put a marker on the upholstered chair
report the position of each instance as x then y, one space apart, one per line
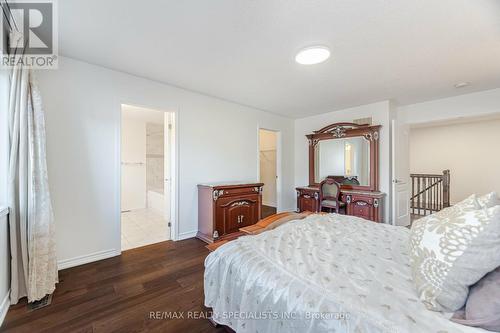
329 196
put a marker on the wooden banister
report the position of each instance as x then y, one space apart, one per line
430 192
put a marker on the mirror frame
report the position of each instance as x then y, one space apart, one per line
348 130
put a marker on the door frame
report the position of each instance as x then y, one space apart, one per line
168 166
279 173
174 195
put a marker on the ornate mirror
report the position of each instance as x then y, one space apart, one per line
346 152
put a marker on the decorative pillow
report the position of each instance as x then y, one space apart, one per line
417 227
483 305
470 203
489 200
451 251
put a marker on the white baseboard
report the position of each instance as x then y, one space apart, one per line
186 235
294 209
270 204
4 307
85 259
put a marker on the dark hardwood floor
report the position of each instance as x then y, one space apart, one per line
268 211
121 293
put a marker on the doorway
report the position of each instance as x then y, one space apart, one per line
268 170
146 175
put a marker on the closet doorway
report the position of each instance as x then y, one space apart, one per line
146 176
268 170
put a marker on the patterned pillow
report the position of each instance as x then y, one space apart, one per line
489 200
418 226
470 203
451 251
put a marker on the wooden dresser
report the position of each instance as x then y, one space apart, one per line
223 208
365 204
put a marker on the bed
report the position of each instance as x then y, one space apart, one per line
325 273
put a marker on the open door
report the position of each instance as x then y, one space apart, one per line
400 174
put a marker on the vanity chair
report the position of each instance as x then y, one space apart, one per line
329 196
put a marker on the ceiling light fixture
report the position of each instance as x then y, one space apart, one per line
462 85
312 55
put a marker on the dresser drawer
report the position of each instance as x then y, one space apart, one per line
362 198
362 209
234 213
363 205
307 200
223 193
307 203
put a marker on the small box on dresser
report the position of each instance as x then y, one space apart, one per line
223 208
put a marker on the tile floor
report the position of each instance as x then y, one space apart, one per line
143 227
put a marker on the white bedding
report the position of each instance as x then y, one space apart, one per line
330 273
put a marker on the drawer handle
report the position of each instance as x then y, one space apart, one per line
307 196
361 203
240 218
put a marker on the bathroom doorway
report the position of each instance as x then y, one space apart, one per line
146 176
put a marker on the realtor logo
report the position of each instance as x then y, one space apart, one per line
30 28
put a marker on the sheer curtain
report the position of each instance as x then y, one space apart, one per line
31 219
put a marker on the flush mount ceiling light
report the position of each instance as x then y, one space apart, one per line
462 84
312 55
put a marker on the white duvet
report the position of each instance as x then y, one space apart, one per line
330 273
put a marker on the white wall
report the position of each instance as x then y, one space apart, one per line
468 150
379 112
133 159
155 156
218 141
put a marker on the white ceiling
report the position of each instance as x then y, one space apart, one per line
243 50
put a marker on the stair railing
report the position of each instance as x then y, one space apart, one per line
430 192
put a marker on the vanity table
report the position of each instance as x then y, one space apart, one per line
348 153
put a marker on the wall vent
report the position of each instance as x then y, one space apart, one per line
363 121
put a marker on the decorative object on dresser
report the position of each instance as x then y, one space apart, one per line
348 153
223 208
